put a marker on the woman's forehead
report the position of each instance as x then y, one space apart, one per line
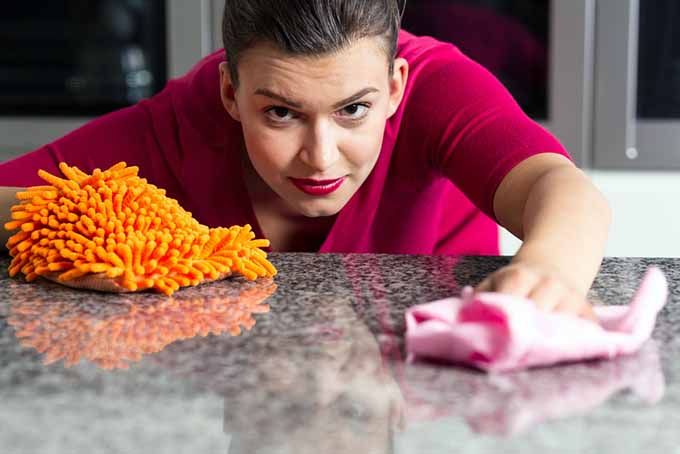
362 61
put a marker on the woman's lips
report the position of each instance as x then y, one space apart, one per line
317 187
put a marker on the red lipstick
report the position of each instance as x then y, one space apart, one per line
317 187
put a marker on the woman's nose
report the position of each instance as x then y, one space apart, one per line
320 150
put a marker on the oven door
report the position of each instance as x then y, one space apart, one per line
638 85
541 50
69 61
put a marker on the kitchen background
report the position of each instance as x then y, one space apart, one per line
603 75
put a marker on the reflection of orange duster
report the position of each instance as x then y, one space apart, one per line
115 225
112 334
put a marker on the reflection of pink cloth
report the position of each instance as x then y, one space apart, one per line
510 404
497 332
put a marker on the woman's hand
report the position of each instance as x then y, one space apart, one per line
563 221
541 284
99 282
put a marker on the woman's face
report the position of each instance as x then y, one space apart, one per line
313 126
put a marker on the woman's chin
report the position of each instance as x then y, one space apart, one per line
317 209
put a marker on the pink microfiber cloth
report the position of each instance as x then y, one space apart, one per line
499 332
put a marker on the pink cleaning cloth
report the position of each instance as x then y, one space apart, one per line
497 332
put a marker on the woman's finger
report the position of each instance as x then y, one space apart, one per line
577 307
547 294
486 285
588 312
99 282
569 306
514 281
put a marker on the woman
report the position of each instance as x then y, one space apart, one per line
328 129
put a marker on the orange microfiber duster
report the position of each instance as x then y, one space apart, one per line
116 227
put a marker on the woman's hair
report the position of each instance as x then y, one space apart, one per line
308 27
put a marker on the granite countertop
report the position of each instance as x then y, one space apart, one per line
313 362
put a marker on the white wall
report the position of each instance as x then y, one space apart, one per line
646 214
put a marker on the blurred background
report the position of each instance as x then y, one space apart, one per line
602 75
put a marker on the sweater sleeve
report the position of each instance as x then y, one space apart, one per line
474 131
131 134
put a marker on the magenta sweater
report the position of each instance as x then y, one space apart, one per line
457 133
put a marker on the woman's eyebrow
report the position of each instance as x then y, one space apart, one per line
297 105
354 97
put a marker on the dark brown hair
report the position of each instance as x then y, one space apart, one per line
308 27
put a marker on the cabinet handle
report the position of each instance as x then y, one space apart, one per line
616 75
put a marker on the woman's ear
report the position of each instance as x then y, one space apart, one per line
398 81
228 92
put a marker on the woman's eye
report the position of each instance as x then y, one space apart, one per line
355 111
280 114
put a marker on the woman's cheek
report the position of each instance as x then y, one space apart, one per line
262 138
274 151
366 146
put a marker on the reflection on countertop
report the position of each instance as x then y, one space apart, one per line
509 404
112 333
323 370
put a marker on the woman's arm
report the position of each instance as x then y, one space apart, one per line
7 200
563 220
518 174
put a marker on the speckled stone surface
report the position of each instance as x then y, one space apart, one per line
318 367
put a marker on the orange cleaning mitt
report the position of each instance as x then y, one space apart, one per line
115 227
